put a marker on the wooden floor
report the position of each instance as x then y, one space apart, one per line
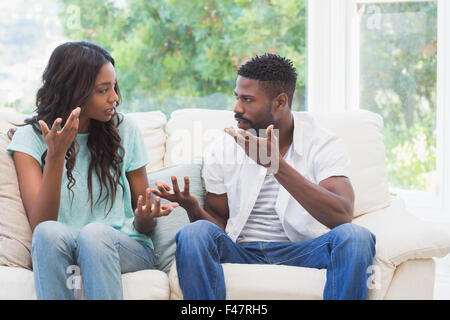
442 285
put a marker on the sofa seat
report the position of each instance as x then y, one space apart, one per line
18 284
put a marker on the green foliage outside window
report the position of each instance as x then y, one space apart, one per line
398 81
175 54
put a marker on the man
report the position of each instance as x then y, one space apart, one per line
292 207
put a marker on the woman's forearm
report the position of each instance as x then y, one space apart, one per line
46 204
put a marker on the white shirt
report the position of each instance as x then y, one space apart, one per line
317 154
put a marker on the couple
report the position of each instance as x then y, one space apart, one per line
81 169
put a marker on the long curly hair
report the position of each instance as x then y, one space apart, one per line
68 83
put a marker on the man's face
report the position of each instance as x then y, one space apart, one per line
253 107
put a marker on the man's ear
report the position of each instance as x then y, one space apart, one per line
282 101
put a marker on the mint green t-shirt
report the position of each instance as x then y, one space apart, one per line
77 213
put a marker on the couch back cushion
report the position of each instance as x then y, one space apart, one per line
361 130
8 117
190 132
15 231
163 236
152 127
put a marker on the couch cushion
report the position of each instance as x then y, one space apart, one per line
360 130
145 285
401 237
190 132
18 283
152 127
163 236
8 118
414 238
15 231
264 282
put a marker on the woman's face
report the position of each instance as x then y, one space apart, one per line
101 106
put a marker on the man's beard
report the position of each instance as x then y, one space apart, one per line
259 127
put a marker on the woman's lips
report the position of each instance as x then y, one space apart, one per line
111 111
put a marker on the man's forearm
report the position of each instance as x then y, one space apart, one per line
325 206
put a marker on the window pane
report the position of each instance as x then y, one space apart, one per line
172 54
398 52
29 31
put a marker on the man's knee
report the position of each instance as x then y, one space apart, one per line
356 237
197 232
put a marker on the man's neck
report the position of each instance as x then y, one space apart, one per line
286 132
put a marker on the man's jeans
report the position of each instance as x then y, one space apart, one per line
345 251
100 252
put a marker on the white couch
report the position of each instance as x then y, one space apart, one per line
403 265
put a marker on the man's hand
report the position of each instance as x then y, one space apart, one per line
184 198
264 151
146 212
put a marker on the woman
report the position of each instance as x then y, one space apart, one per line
82 177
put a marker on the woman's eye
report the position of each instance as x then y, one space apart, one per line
103 91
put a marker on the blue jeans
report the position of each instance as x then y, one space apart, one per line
100 252
345 251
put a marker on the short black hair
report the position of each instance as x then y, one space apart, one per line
275 74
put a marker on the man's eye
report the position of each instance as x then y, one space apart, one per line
243 99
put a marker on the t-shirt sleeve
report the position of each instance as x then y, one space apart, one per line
26 140
136 153
213 172
332 159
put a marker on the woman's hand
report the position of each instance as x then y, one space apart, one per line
59 142
146 212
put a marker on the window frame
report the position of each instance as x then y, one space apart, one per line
333 85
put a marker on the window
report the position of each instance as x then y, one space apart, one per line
398 76
28 34
389 57
169 54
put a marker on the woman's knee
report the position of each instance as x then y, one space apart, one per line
51 232
95 234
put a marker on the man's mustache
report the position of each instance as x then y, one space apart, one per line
238 116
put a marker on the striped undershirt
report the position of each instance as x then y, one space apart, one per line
263 224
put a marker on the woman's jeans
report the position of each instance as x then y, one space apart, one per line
100 252
346 252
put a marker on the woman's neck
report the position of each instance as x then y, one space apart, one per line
84 124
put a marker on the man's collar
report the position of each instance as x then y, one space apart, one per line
297 139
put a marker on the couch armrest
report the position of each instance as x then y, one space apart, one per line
401 236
